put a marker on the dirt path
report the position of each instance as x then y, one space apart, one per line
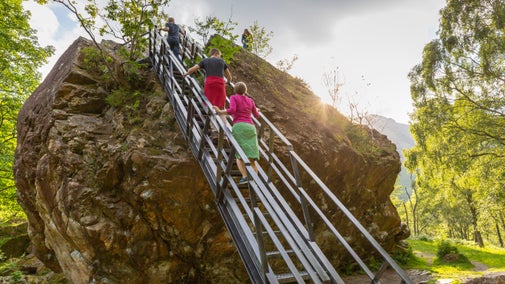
419 276
390 276
479 266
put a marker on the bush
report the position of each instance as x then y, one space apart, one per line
93 61
424 238
404 255
445 248
124 98
17 276
374 264
2 256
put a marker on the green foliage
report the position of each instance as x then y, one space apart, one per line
348 269
492 257
205 28
260 44
21 57
9 107
218 34
461 262
21 53
17 276
226 47
125 21
424 238
129 101
124 98
444 248
403 256
458 122
374 264
93 61
359 135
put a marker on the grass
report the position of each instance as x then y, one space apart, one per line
426 259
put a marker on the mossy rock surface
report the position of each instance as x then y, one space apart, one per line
13 230
16 246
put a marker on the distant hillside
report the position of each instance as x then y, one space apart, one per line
400 135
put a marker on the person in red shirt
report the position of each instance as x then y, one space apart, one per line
215 71
243 130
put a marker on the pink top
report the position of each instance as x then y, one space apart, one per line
241 108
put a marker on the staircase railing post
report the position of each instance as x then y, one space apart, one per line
219 171
152 36
261 243
271 144
161 62
206 127
303 200
256 261
229 166
191 111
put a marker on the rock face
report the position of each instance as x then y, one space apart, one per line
113 194
358 164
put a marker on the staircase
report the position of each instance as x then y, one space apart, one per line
269 219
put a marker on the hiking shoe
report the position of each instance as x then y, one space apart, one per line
243 181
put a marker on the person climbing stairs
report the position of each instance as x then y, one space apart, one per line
269 218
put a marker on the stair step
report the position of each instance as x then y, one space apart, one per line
265 233
278 253
289 277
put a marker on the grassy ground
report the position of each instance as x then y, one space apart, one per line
482 261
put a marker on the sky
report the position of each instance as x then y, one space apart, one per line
372 44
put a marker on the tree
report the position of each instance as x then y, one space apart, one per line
216 33
121 20
205 28
333 83
260 44
286 64
459 106
21 57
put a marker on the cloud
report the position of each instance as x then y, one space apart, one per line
305 22
55 26
374 43
43 20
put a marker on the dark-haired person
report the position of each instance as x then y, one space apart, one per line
243 130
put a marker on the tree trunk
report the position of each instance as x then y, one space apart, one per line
502 221
477 237
406 211
406 215
499 234
413 206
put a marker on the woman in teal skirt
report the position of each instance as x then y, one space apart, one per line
243 130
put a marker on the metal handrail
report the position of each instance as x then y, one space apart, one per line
238 227
291 179
303 198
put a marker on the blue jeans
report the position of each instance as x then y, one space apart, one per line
174 46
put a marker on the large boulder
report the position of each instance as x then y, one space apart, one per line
113 194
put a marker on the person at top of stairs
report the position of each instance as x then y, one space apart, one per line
215 71
173 35
244 131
